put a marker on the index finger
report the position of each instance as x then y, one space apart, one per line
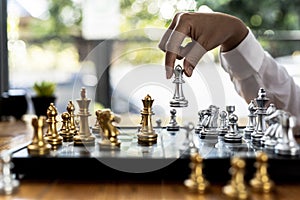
173 47
165 37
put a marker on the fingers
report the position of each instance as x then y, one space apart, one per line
183 51
165 37
171 43
192 58
188 68
173 47
169 64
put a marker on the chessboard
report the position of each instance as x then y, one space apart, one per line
148 152
168 159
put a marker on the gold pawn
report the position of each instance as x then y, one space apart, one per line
72 124
64 130
196 181
236 188
261 181
53 137
38 145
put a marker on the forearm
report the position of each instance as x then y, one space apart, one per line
251 68
281 88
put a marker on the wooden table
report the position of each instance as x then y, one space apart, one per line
14 134
61 189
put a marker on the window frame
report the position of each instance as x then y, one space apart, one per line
4 77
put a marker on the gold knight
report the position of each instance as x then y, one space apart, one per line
109 132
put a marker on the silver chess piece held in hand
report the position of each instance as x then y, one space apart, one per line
178 98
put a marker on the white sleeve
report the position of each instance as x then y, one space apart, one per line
251 68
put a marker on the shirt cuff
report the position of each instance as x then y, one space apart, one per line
244 60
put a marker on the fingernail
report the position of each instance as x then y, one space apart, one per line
169 72
190 71
168 75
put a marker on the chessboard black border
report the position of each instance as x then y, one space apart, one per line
285 169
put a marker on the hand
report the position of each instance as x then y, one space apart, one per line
207 31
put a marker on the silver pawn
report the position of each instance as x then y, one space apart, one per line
173 125
188 143
223 128
230 110
96 128
178 98
158 123
233 135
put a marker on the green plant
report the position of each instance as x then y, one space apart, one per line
44 88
